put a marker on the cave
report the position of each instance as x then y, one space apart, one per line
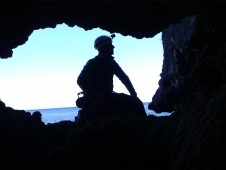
192 87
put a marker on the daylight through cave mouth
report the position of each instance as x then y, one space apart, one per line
42 73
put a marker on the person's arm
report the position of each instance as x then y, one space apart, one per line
124 78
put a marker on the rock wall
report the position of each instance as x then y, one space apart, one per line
193 60
192 87
135 18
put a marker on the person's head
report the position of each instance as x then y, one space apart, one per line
104 45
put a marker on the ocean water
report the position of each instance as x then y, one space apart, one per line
54 115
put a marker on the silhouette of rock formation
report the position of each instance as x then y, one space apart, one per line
192 87
138 19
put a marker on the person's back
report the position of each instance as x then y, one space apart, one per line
97 77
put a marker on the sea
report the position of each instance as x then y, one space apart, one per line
54 115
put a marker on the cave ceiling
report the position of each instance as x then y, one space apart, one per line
135 18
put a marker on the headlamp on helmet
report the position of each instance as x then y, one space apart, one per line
102 40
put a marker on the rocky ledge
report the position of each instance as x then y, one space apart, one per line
192 87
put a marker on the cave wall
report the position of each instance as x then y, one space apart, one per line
193 60
193 88
175 66
192 85
139 19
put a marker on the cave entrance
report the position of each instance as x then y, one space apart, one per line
42 73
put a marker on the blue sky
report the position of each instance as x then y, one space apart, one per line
42 73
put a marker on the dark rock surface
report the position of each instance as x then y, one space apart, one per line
192 86
110 142
194 57
136 18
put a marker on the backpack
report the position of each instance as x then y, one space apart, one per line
83 101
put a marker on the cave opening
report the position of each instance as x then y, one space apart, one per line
42 73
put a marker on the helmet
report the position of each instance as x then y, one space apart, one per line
102 40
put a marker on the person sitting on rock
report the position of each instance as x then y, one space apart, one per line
96 77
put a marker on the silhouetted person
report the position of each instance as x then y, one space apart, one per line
96 78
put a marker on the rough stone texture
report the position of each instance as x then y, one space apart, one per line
138 19
176 65
192 85
193 59
109 142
